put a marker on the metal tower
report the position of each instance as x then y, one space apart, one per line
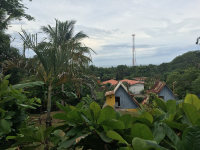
134 52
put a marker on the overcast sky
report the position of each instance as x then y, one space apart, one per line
163 29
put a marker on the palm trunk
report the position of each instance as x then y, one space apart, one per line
48 119
62 101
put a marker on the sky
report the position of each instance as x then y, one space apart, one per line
163 29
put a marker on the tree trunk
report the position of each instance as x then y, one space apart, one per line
48 119
62 101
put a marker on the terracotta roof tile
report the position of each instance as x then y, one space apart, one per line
113 82
131 82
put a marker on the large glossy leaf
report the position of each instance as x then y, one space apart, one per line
61 116
105 138
171 107
175 125
5 126
114 135
74 116
191 138
127 120
79 105
193 100
191 113
144 121
74 131
96 109
141 131
172 136
155 145
161 103
158 133
86 119
107 113
147 116
113 123
140 144
27 132
66 108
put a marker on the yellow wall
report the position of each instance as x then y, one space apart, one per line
110 100
131 110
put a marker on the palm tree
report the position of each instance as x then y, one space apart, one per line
58 60
64 35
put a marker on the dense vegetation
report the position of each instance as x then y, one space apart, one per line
59 77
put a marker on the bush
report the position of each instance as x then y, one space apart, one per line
139 99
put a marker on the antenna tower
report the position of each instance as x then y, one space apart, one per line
134 52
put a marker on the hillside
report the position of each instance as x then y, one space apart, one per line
179 63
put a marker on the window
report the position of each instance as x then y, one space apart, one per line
161 97
117 101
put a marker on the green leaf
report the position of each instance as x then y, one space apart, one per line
158 133
40 133
172 136
61 116
29 84
79 105
191 113
27 132
141 131
155 145
114 135
127 120
7 77
96 109
74 115
191 138
144 121
105 138
118 114
175 125
147 116
10 137
140 144
193 100
171 106
107 113
114 124
74 131
161 103
86 119
66 109
48 131
5 126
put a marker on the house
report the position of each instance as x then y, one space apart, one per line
162 90
135 86
120 98
113 82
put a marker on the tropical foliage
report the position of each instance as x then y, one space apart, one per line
13 103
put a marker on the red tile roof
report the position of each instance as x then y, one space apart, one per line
131 82
113 82
158 86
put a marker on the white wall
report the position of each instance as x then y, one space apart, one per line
136 88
